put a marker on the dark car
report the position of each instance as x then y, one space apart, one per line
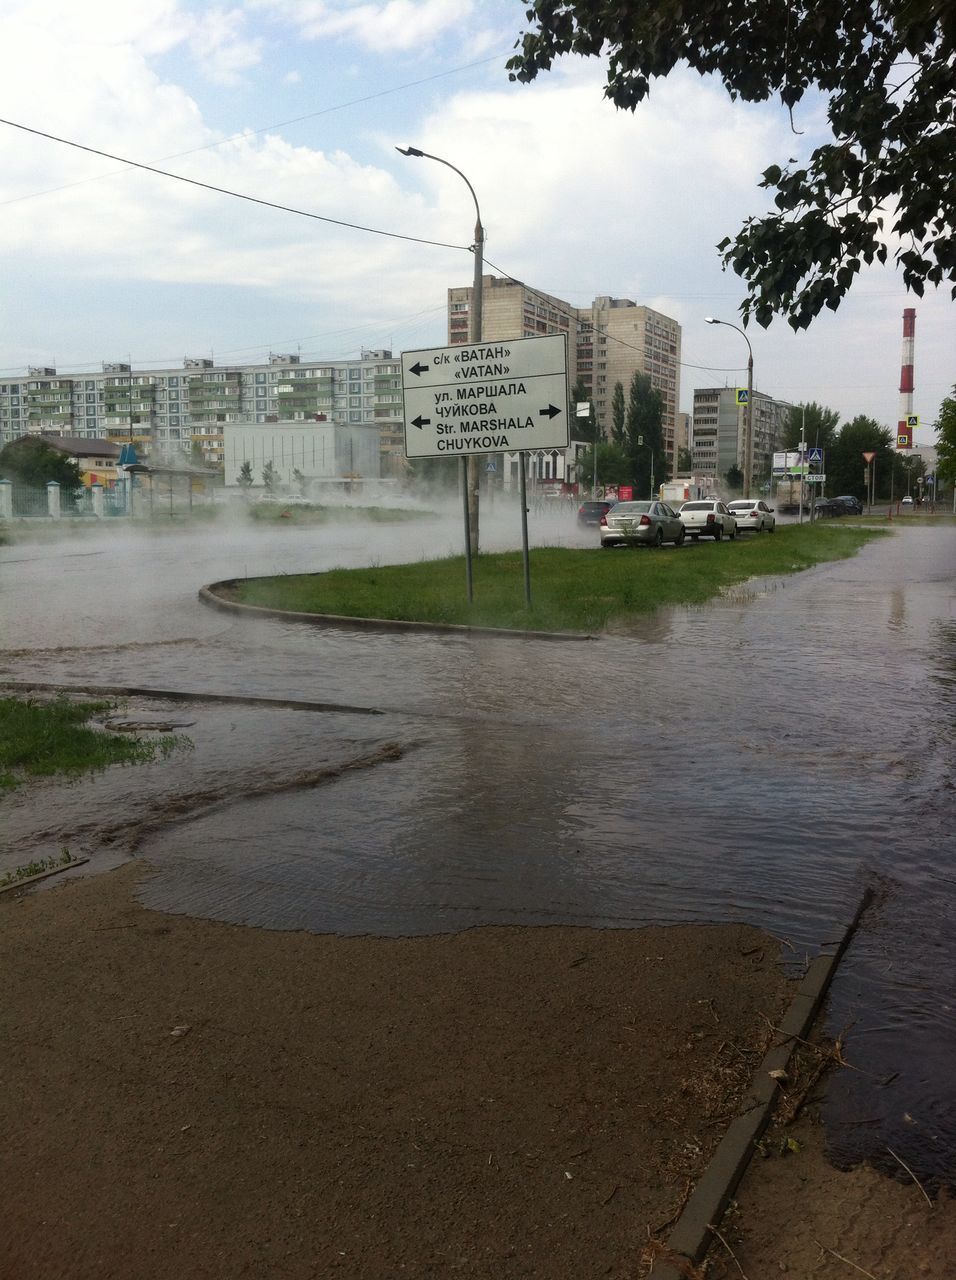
591 512
854 507
828 507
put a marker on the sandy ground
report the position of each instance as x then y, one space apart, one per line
183 1098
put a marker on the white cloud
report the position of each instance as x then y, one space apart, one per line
218 45
395 25
577 199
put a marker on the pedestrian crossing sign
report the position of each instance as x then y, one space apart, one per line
912 420
743 395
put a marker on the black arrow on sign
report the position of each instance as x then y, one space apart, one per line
550 412
420 422
419 369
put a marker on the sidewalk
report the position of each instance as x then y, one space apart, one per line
185 1098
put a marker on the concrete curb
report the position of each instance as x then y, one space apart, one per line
41 875
180 695
692 1235
209 595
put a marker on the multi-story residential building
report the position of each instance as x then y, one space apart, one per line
167 411
719 427
608 342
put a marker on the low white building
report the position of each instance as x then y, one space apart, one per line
318 450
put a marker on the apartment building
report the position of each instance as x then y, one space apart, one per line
166 411
718 432
608 342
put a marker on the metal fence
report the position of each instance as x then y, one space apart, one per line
28 501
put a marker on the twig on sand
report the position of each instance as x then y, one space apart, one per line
842 1259
714 1230
901 1161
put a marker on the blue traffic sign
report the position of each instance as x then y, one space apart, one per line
815 455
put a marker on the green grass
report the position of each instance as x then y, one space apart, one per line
271 512
571 590
46 738
37 868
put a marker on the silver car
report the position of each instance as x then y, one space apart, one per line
752 514
709 518
631 523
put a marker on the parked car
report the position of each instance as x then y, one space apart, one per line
652 523
590 512
828 507
708 518
753 515
853 505
906 504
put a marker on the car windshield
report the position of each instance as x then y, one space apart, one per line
697 506
742 506
632 508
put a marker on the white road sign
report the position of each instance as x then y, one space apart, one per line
486 397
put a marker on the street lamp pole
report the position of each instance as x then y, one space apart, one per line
749 411
469 466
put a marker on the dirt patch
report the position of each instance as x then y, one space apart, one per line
186 1098
796 1215
211 1100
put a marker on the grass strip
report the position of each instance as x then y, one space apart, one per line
45 738
572 590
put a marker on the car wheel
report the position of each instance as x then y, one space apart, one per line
679 540
659 539
771 526
718 533
733 533
694 537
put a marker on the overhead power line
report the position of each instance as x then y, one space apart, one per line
236 195
267 128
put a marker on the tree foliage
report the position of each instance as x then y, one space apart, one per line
887 68
32 461
270 477
244 478
845 463
585 428
946 441
618 413
644 435
811 422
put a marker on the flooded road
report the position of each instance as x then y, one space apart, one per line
760 759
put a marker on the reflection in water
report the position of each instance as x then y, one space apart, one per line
761 760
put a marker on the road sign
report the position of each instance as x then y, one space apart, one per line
912 419
486 397
815 455
868 458
817 478
743 395
491 467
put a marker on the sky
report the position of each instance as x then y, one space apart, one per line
302 103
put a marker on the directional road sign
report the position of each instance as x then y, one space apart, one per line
486 397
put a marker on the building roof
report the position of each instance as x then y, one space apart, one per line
77 446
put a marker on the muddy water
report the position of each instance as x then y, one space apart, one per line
761 759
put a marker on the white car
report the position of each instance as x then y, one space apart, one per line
752 514
906 504
708 518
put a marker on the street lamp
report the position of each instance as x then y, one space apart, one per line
749 415
469 465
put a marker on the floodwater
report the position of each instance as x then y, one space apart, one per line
764 758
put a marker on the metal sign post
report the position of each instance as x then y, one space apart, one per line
487 398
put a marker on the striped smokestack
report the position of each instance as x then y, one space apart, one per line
904 432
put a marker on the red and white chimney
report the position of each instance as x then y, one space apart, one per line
904 429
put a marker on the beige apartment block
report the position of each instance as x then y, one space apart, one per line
608 342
